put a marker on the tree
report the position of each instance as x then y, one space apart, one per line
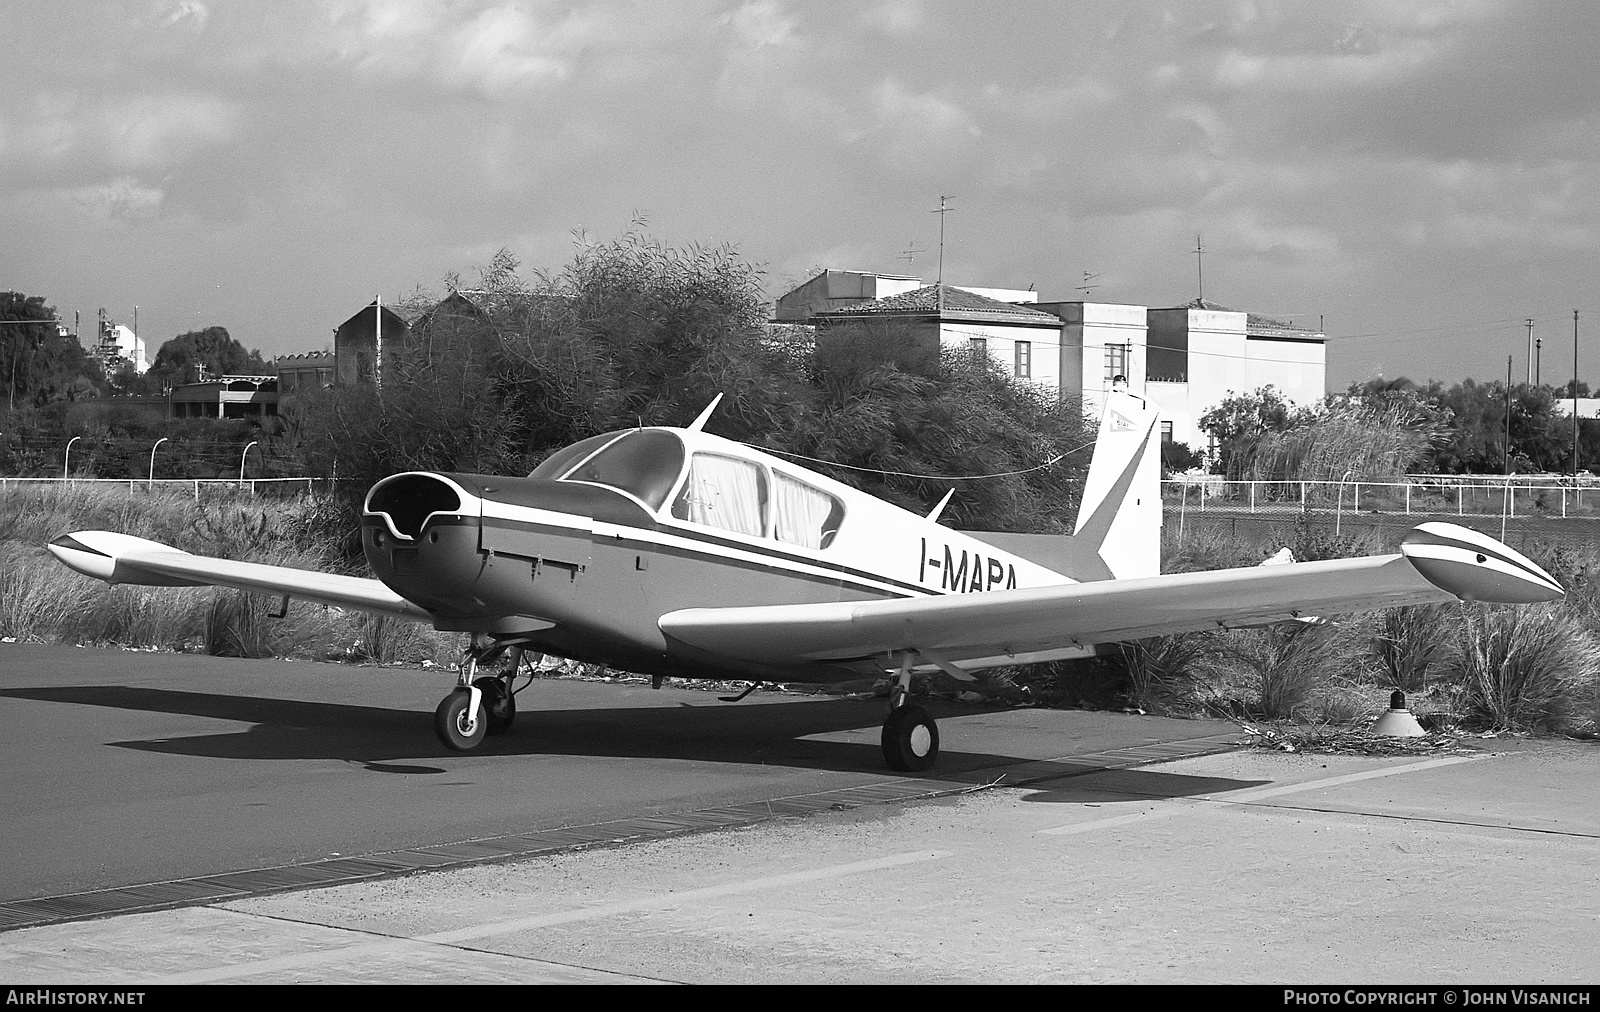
633 332
1176 458
181 359
1240 419
39 363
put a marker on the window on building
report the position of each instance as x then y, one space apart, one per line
1166 432
1116 361
1024 362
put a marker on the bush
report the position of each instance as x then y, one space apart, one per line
1410 643
1165 673
1534 668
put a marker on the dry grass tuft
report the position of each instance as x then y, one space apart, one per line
1533 668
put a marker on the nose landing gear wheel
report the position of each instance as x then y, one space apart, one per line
458 729
498 703
910 738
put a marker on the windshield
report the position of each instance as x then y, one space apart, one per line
560 462
643 462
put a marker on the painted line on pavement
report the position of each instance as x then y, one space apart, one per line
418 945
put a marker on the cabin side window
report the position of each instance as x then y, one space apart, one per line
803 514
724 492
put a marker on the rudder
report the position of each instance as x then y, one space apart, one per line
1121 512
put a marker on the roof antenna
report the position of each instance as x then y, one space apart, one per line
934 516
699 424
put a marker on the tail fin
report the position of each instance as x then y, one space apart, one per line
1120 517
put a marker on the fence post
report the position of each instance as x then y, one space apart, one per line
1563 503
1408 498
1357 507
197 490
1252 497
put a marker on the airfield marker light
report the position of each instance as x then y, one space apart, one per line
1397 721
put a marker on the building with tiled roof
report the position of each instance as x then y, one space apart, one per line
1024 340
311 370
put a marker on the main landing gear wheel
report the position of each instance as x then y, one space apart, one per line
498 703
910 738
457 728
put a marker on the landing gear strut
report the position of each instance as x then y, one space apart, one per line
479 706
910 736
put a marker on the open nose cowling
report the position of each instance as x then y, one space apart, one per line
407 502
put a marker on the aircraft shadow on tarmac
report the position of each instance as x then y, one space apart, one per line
1122 787
376 737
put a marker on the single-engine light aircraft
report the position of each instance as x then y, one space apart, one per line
674 552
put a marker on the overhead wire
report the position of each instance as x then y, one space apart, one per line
930 477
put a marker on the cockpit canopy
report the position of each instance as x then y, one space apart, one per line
720 490
642 462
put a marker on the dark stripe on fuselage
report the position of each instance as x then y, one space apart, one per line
637 536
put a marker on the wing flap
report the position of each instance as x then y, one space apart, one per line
122 558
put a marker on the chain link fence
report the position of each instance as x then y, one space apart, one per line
1524 511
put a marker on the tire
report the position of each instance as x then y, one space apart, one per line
910 739
451 724
498 703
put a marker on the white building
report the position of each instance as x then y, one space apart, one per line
1187 359
118 343
1023 340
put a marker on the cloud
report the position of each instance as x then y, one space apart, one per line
122 198
495 51
140 133
188 14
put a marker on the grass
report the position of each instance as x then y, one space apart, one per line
1533 668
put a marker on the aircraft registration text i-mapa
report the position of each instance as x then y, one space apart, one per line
674 552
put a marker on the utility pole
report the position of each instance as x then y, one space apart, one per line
1530 351
1574 393
1538 357
1508 416
1200 267
941 212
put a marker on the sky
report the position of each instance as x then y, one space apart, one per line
1417 178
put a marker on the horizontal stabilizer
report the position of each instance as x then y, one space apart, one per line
1059 553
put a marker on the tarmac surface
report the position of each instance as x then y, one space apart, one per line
1240 866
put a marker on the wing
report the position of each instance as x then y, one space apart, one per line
1439 562
122 558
